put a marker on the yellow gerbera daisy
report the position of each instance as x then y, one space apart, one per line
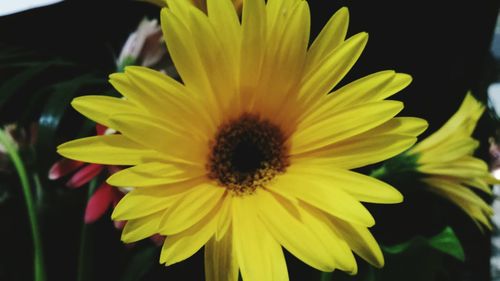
201 4
249 153
449 167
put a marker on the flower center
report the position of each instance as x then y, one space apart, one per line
247 153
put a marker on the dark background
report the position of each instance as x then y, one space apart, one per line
444 45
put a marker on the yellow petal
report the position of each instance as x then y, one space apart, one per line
225 20
157 92
220 259
253 44
361 241
449 151
332 69
287 48
464 198
138 229
189 67
191 208
319 192
449 187
341 125
334 243
330 37
152 133
284 222
180 246
136 204
480 184
465 167
363 188
100 108
371 88
108 150
154 173
259 256
278 12
406 126
462 122
225 218
144 201
380 143
359 151
221 72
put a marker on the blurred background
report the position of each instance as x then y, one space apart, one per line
50 54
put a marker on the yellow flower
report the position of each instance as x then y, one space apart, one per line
449 167
201 4
249 153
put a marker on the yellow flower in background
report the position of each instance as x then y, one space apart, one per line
201 4
251 152
449 167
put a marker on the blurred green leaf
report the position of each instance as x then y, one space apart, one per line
419 259
55 107
10 86
445 242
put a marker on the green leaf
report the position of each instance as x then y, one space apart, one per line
445 242
10 86
54 109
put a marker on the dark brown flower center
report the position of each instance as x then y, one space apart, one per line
247 153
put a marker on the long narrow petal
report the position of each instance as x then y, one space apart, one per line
154 173
225 20
467 200
361 241
63 167
449 151
361 187
189 67
330 37
222 72
100 108
84 175
360 151
465 118
98 203
342 125
144 201
260 257
371 88
136 205
286 47
334 243
253 44
406 126
283 221
465 167
191 208
220 259
319 192
331 69
138 229
108 150
155 135
180 246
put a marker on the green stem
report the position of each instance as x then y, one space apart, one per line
83 261
38 187
32 214
326 276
